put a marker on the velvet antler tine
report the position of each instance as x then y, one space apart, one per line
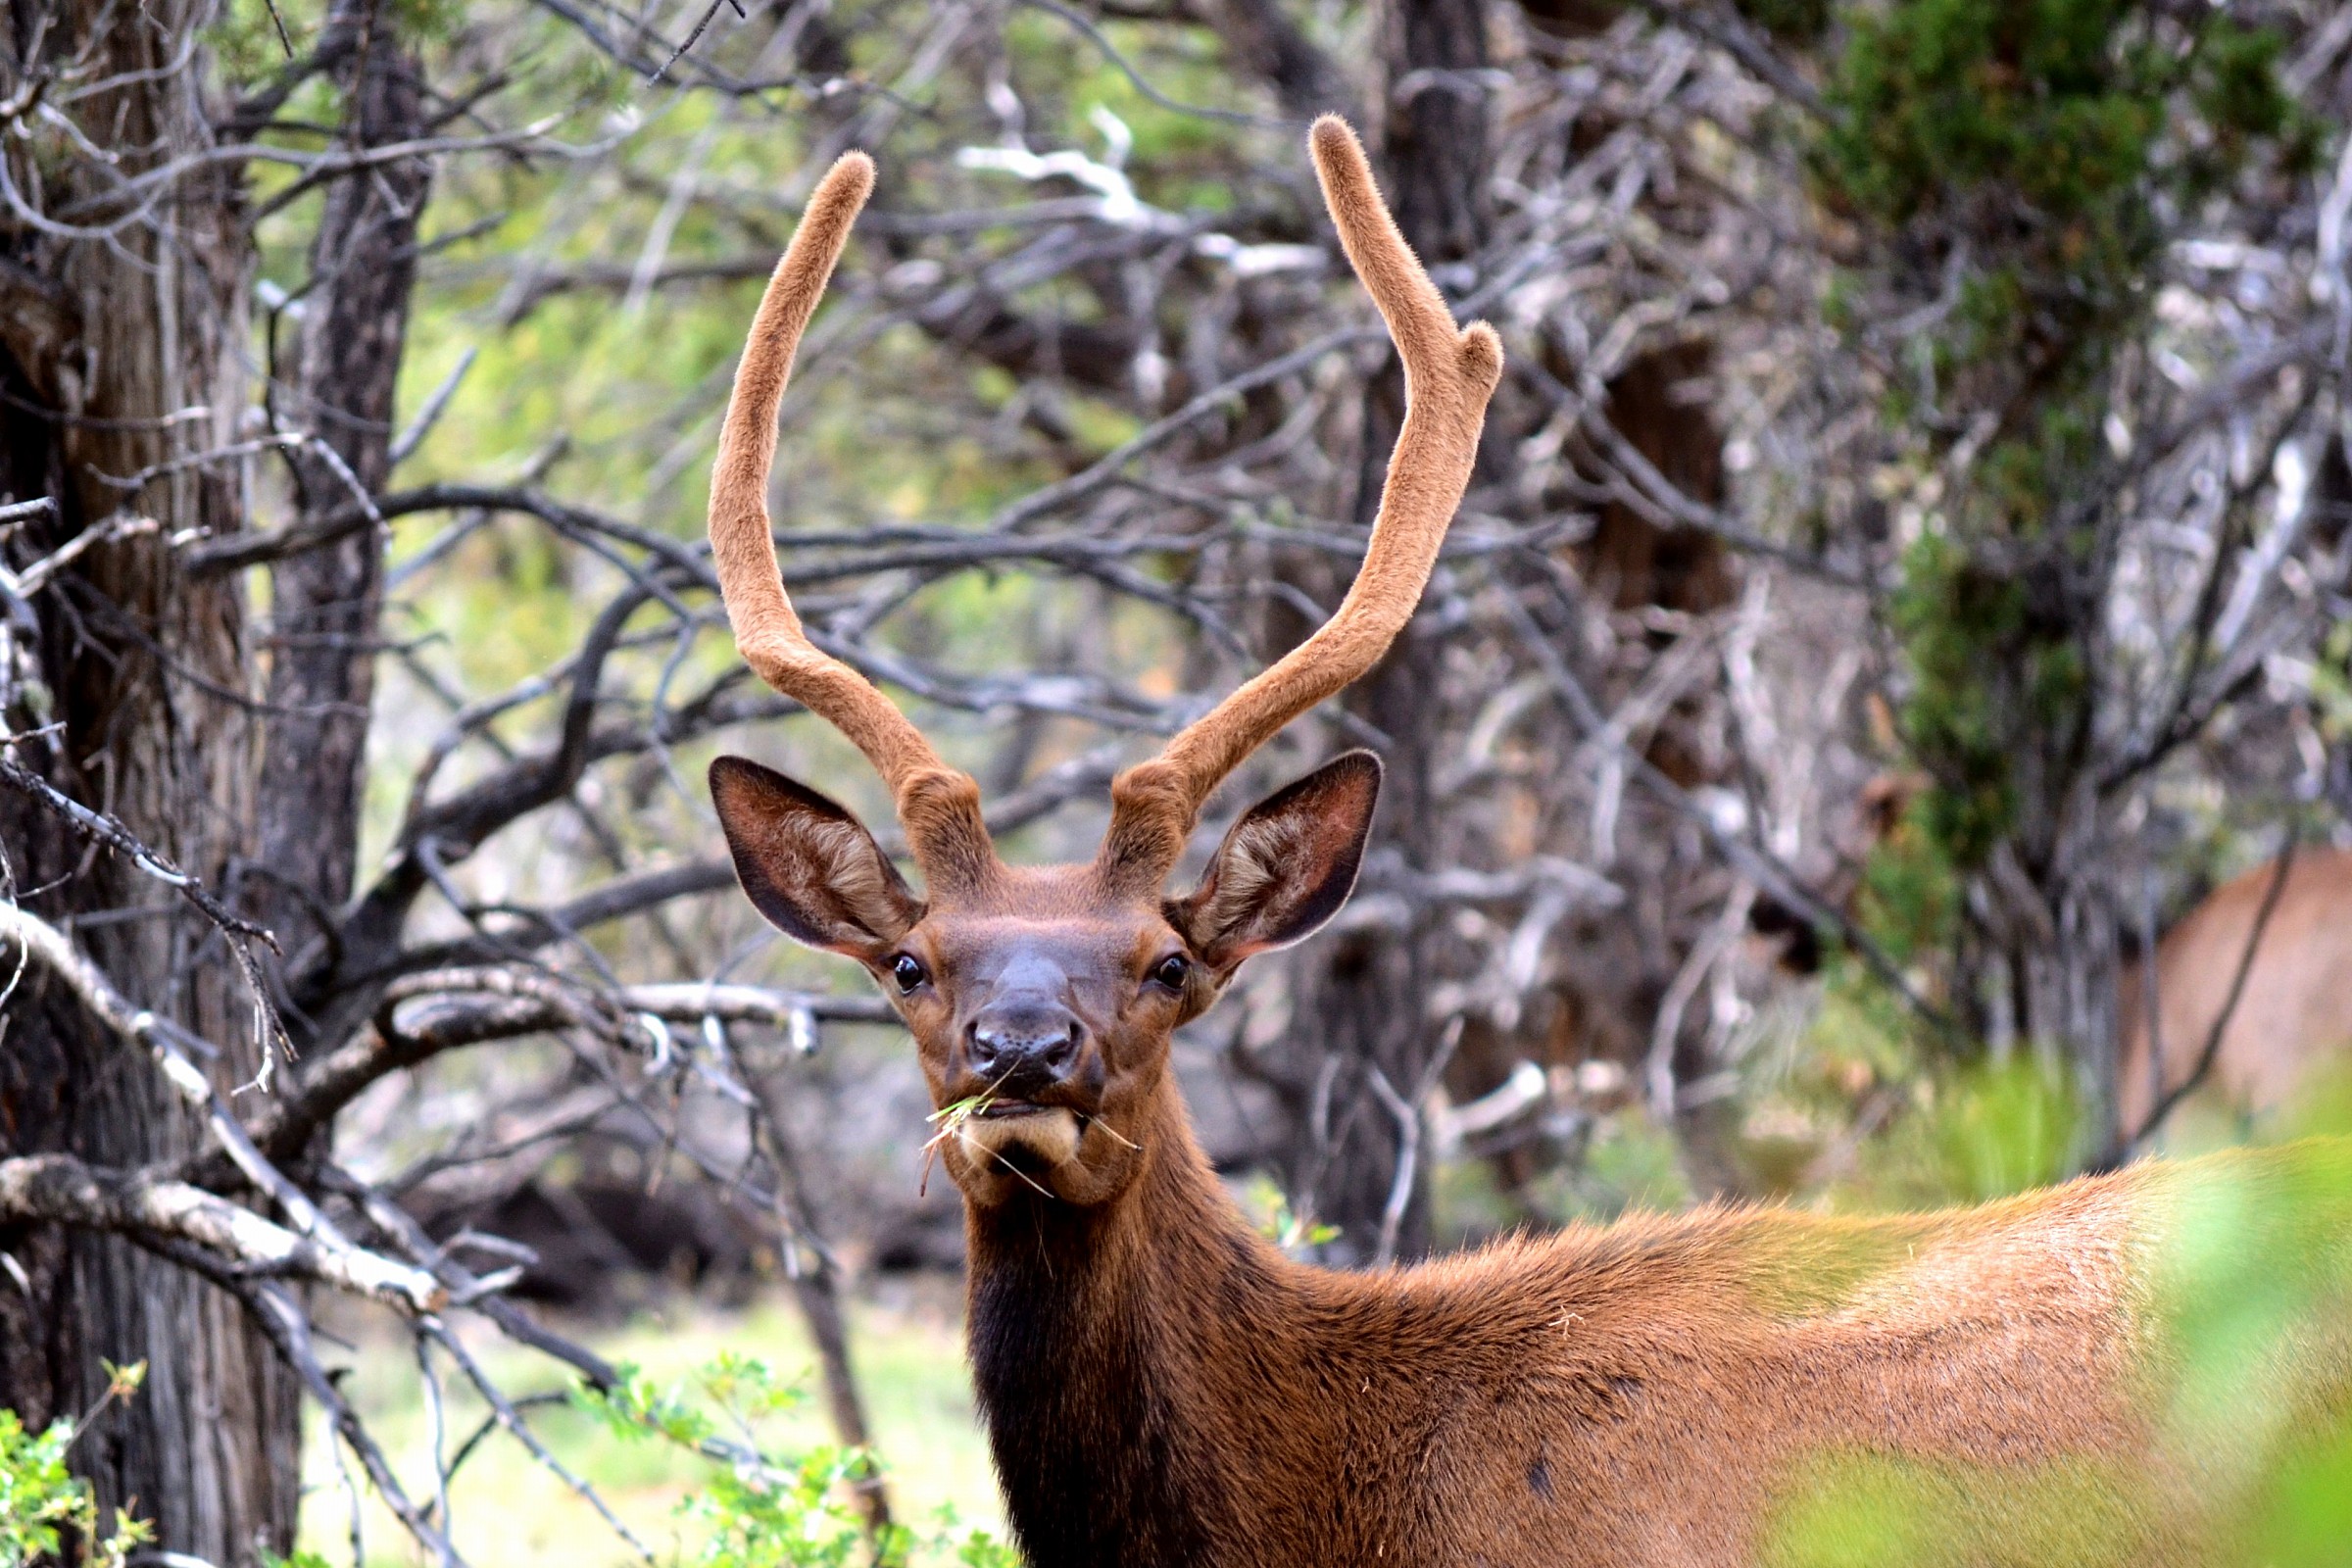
1450 373
767 630
939 807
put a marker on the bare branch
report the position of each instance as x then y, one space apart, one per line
61 1190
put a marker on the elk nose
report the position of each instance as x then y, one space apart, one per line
1024 1045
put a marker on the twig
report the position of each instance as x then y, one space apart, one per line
1110 52
289 1329
164 1040
101 827
1407 1115
33 578
437 1439
409 440
278 23
511 1419
692 37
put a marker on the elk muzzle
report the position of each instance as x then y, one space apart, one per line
1023 1047
1025 1053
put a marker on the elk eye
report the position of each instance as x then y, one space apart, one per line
1172 971
906 972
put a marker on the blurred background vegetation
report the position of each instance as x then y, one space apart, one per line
1881 735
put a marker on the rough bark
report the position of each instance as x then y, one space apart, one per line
134 361
325 602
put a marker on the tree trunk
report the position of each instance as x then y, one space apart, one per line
324 601
128 358
1362 996
2056 926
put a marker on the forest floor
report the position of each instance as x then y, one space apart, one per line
906 1341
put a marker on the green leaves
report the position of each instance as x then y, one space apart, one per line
40 1499
761 1509
37 1495
2059 101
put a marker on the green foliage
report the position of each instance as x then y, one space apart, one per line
1972 644
44 1506
1909 900
759 1509
1975 1133
2302 1517
2002 1129
2332 685
1934 97
2016 164
37 1496
2059 103
1269 1209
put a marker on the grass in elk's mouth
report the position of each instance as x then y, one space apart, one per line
1117 1137
950 1120
945 1122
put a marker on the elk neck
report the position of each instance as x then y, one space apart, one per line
1103 1344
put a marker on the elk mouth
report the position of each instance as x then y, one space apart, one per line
1021 1134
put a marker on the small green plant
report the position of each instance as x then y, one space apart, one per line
42 1502
1970 1133
2332 685
297 1559
761 1509
1270 1210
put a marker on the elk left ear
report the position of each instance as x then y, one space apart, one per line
1286 868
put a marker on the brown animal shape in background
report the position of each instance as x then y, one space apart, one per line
2293 1013
1162 1387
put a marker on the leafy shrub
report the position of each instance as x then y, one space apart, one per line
761 1509
44 1509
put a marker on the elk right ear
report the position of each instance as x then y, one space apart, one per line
1286 866
808 864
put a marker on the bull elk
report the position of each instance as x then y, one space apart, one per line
1162 1387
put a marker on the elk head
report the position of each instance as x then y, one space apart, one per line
1046 996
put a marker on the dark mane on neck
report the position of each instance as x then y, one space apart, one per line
1103 1433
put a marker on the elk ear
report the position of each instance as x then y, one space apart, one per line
1286 868
808 864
